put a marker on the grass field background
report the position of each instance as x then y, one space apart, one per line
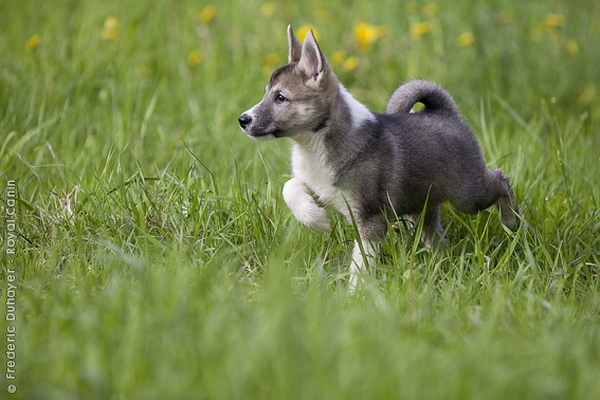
156 258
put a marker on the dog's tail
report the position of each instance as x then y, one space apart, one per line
433 97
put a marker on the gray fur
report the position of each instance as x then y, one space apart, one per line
376 165
416 91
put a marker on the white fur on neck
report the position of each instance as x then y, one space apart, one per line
358 111
309 165
310 159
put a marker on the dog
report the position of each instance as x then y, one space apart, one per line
368 166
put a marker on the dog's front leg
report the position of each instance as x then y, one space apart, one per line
371 230
363 256
304 207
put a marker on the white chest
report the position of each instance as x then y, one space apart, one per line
310 167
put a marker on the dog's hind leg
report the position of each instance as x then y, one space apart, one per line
497 190
493 188
508 210
304 206
433 233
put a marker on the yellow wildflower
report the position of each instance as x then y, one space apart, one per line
550 23
465 39
267 9
208 13
366 34
431 9
304 30
419 29
110 31
338 57
33 42
341 58
572 47
554 21
350 64
194 58
272 60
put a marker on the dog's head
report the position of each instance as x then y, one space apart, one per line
298 97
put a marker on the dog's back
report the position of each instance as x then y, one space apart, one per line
439 157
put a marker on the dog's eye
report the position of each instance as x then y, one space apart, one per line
280 98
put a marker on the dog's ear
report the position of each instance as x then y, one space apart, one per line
312 61
295 48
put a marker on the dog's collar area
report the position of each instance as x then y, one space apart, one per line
322 125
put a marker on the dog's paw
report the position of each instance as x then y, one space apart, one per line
304 207
317 219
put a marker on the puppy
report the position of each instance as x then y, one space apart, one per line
367 166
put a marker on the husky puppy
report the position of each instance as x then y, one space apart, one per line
369 166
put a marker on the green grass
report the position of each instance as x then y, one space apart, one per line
156 258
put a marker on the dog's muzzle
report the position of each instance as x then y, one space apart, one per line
246 123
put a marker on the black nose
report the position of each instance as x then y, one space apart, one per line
244 120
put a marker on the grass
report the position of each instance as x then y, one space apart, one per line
156 258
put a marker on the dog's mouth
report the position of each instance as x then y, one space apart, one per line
264 135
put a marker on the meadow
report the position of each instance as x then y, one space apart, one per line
147 252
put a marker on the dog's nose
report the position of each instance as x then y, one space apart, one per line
244 120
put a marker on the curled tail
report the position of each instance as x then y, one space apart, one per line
433 97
